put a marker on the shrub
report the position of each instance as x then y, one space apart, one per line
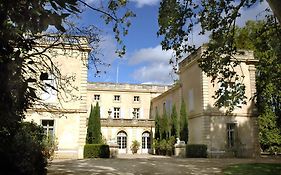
135 146
96 151
24 153
196 150
156 146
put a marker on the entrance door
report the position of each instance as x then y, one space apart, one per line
146 144
122 142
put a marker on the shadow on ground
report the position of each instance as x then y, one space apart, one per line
147 165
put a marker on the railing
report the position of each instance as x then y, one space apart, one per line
127 122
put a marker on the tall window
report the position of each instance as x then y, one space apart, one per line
122 140
50 92
231 127
48 126
116 97
116 112
146 144
96 97
136 112
136 98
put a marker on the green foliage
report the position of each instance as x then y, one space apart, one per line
135 146
96 151
164 126
177 20
174 122
157 126
196 150
94 126
164 146
264 38
183 123
24 153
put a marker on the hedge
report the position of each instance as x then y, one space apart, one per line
196 150
96 151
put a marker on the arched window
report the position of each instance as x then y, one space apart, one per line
146 144
122 140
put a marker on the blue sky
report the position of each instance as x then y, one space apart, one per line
144 61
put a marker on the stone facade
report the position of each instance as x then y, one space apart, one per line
128 110
232 135
125 113
64 113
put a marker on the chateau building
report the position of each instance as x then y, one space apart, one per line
225 135
127 110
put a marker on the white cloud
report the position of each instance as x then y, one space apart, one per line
107 47
141 3
150 55
155 74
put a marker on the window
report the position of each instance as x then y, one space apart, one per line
146 141
190 100
116 97
122 140
136 98
116 112
136 112
231 134
48 126
96 97
50 86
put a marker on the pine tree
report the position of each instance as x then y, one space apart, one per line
183 123
94 126
97 139
174 122
164 125
157 126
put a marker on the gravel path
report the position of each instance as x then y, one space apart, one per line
147 164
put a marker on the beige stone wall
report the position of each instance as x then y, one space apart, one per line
134 128
68 106
208 124
169 98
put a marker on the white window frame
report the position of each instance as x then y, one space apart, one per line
116 112
136 112
96 97
117 98
136 99
231 134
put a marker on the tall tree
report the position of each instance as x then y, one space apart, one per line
23 25
94 126
177 20
263 37
164 125
183 123
174 122
157 125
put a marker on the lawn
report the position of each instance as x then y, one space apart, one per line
254 169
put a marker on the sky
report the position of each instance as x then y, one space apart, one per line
144 62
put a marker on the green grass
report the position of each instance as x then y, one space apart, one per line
254 169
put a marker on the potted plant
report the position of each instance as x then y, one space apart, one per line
135 146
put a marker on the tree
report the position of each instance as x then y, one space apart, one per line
183 123
164 126
94 126
263 37
177 19
23 26
174 122
157 125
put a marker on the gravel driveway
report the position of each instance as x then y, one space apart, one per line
146 164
